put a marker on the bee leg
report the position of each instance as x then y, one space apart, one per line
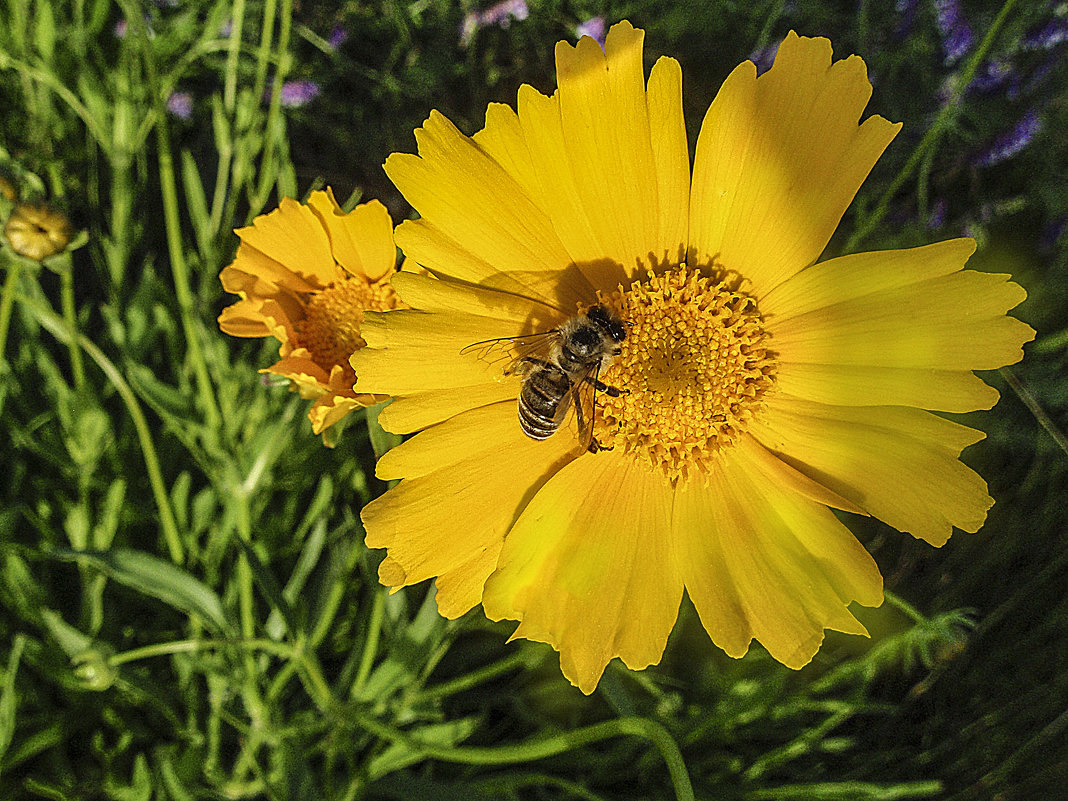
601 386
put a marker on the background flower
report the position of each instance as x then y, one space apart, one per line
306 273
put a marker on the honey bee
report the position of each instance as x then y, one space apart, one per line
560 369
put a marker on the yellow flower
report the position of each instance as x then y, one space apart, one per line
757 388
37 231
306 274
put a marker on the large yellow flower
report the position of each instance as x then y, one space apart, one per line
305 275
757 388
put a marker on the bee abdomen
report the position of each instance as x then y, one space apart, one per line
540 399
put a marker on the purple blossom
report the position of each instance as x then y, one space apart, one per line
338 36
764 57
937 217
957 36
994 74
501 14
594 27
1011 142
180 104
226 29
299 93
1052 234
906 11
1055 32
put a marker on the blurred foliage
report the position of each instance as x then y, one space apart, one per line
187 607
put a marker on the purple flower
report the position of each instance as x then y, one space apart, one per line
1054 33
338 36
500 14
226 29
764 57
299 93
1011 142
122 27
906 10
937 217
180 104
594 27
1052 234
994 74
957 36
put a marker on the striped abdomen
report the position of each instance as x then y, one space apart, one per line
541 399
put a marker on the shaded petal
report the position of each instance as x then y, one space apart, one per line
257 274
762 562
362 240
587 567
441 520
780 158
292 235
898 464
411 351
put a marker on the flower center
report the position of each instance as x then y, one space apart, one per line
330 330
692 371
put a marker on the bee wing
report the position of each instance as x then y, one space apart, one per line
583 397
512 353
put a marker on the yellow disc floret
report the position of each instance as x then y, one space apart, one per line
692 371
330 329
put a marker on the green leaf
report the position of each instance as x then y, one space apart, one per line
9 695
157 578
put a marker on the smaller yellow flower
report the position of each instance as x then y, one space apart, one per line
306 273
37 231
8 190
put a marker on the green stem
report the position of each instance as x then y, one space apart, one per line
1033 406
172 223
942 122
544 747
370 644
66 293
7 302
180 273
904 606
59 329
468 680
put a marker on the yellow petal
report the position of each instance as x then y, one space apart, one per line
436 295
329 409
502 138
780 158
469 202
671 156
411 413
761 562
257 274
362 240
436 522
896 463
860 275
410 352
952 322
852 385
292 235
587 568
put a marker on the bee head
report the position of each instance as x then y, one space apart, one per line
607 322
